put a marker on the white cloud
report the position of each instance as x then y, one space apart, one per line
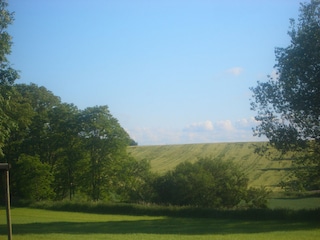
235 71
200 126
225 125
246 122
199 132
154 136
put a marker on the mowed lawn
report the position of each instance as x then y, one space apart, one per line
33 224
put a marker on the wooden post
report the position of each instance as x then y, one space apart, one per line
5 167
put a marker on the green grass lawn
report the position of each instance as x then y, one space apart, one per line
44 224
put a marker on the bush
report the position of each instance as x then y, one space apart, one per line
257 197
207 183
33 178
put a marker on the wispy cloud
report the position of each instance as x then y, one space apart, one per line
199 126
199 132
154 136
225 125
235 71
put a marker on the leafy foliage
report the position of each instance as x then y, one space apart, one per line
33 178
288 105
105 141
205 183
84 151
7 75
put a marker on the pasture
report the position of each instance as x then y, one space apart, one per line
262 170
34 224
266 170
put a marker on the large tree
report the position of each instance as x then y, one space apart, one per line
39 139
288 105
7 74
105 142
67 148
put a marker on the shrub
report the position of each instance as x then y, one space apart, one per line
33 178
257 197
207 183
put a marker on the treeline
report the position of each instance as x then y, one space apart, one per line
57 151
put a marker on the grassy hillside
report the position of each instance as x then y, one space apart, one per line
261 170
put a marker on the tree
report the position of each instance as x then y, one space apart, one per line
83 151
206 183
68 151
7 74
42 103
33 178
133 143
21 114
288 105
105 142
133 180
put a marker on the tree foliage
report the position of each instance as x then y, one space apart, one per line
33 178
84 151
105 141
7 75
288 109
206 183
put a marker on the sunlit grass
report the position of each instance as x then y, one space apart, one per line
266 170
261 170
44 224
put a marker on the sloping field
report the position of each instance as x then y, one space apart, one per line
261 170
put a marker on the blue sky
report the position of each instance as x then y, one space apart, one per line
171 72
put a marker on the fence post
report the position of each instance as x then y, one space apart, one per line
5 167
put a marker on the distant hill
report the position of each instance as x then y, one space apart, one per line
261 170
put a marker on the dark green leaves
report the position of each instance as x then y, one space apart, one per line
288 107
7 75
206 183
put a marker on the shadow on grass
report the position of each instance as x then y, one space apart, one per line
162 226
185 212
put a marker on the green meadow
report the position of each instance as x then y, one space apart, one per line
262 170
33 224
266 170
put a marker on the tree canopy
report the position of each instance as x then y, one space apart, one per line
208 182
7 74
288 104
76 151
